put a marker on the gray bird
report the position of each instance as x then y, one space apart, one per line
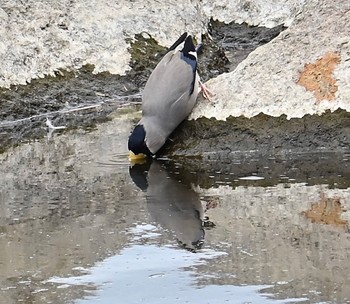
173 205
168 98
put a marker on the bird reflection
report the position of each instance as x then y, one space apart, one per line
171 204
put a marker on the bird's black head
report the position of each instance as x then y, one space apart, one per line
136 142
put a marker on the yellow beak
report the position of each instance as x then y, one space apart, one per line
137 158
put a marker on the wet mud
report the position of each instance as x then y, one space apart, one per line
265 134
77 99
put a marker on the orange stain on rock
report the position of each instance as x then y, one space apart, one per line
318 77
327 211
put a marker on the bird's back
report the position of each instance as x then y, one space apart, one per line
170 92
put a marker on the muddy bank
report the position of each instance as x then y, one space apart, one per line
262 133
310 148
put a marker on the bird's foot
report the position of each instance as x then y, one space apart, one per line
205 91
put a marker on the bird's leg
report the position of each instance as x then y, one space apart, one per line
206 93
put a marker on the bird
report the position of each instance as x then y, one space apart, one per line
168 98
171 204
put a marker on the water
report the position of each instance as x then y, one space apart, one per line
78 225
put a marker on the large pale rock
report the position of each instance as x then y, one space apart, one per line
257 12
40 37
305 70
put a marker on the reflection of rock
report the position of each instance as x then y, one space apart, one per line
171 204
227 167
265 227
327 211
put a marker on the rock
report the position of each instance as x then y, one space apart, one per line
305 70
39 37
257 12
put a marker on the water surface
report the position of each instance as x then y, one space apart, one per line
79 225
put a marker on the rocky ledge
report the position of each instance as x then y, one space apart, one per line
290 94
305 70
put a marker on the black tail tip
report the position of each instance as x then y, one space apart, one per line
189 46
178 42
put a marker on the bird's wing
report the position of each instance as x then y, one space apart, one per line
156 135
169 93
